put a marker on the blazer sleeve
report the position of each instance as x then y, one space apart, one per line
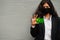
34 31
58 30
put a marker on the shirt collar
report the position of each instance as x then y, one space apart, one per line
49 18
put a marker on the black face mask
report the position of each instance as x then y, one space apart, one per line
46 10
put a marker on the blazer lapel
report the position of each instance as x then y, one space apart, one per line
53 30
43 27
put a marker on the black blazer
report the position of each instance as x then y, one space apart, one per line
39 31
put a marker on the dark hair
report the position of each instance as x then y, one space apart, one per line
38 11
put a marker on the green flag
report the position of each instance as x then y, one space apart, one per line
39 20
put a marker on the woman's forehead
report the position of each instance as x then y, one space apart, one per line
46 4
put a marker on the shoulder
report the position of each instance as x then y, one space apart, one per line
59 19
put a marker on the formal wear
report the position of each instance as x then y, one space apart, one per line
48 27
49 30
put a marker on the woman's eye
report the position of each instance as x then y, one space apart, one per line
47 7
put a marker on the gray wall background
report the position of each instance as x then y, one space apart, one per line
15 18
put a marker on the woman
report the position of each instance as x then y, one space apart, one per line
50 28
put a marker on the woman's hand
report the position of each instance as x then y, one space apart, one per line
34 19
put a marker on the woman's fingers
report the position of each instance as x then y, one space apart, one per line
33 21
35 15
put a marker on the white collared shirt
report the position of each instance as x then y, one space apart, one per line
48 27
